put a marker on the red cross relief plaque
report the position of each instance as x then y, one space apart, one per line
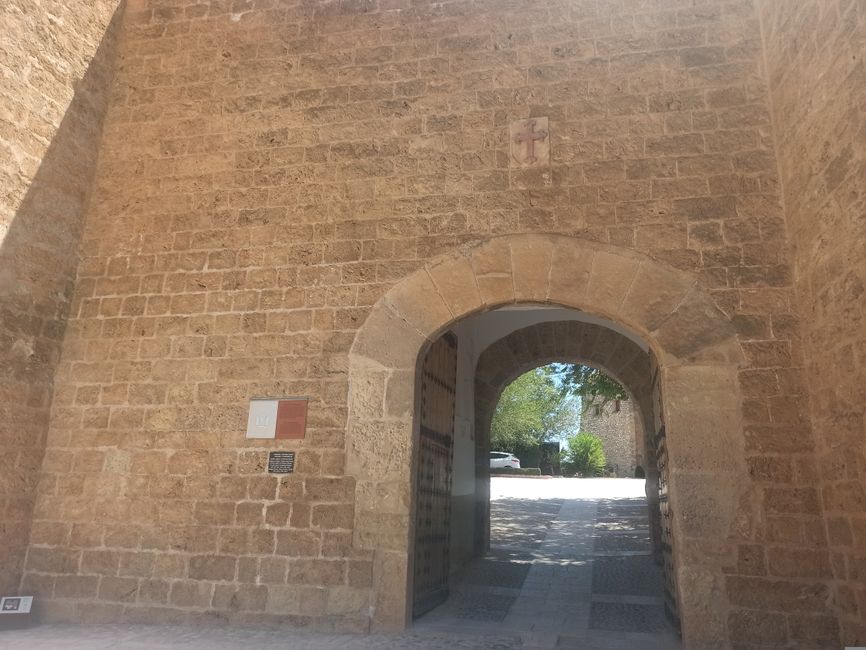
291 418
530 142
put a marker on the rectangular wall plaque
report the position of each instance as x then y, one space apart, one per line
281 462
292 418
16 604
271 418
262 420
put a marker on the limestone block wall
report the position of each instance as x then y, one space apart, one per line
616 428
55 66
270 169
816 58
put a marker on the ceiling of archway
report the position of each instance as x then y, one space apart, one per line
486 328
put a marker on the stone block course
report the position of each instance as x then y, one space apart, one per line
54 97
819 152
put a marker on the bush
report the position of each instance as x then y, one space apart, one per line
510 471
584 455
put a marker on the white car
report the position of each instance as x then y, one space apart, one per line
503 459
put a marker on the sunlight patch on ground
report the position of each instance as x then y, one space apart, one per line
566 488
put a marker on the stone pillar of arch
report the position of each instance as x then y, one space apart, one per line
566 341
697 352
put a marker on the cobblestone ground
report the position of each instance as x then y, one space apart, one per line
569 567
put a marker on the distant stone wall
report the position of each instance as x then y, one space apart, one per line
616 428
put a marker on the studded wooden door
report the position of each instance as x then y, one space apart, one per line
670 580
433 483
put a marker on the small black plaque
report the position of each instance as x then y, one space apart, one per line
281 462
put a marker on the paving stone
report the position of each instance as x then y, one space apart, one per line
497 574
142 637
617 525
484 607
621 542
633 575
628 617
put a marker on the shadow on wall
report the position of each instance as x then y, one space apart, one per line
38 263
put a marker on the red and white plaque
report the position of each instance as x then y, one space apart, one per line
280 419
291 418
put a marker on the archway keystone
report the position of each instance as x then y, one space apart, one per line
692 340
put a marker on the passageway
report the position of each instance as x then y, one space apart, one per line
570 565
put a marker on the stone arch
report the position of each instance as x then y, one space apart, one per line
567 341
560 341
696 349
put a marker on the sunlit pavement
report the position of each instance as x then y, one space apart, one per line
569 567
566 488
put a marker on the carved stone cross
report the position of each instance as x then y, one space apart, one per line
530 146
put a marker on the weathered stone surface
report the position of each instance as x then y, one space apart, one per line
703 418
822 168
701 592
418 301
491 262
455 282
388 340
571 277
654 295
267 174
57 65
615 423
390 571
609 282
698 331
531 265
380 449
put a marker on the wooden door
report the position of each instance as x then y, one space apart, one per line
667 538
433 482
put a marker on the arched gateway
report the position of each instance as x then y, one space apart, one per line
692 340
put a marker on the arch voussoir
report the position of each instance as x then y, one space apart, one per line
571 267
387 339
417 301
531 258
698 331
456 284
609 282
491 262
655 294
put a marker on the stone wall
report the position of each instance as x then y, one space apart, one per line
270 169
55 67
816 56
615 425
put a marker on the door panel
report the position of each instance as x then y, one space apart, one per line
433 478
667 539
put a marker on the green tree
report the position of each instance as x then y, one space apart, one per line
583 455
592 385
531 410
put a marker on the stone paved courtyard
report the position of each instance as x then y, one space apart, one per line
569 567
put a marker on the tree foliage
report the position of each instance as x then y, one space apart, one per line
531 410
592 385
584 455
